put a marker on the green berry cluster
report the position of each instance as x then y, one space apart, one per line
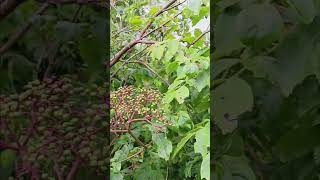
129 104
52 125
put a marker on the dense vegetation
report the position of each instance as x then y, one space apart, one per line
160 90
266 89
53 115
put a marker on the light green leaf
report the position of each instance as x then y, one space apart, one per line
157 51
164 146
135 20
202 140
202 80
194 5
205 167
181 94
184 140
173 46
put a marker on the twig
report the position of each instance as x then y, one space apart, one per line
74 168
198 38
7 6
23 30
162 25
153 71
127 62
176 5
135 41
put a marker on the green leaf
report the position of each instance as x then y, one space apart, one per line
223 64
227 37
259 25
205 167
67 30
173 46
227 3
164 146
92 52
7 160
304 9
297 143
194 5
235 167
261 66
181 94
116 176
184 140
202 80
202 140
229 105
135 20
157 51
298 57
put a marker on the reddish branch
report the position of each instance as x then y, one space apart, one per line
198 38
7 6
75 166
135 41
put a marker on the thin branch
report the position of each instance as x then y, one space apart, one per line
74 168
7 6
176 5
162 25
147 42
23 30
198 38
122 65
133 42
153 71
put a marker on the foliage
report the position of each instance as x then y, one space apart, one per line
266 89
167 52
49 131
52 90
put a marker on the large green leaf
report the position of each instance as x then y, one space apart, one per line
231 99
181 94
164 145
259 25
304 9
202 140
227 38
205 167
298 57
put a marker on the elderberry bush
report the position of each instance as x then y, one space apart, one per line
55 128
130 104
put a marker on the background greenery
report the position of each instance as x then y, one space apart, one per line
266 89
